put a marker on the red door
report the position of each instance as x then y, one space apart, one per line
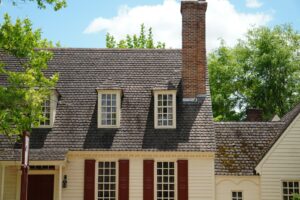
40 187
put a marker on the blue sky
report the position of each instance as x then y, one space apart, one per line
84 24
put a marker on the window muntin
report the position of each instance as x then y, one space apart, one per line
46 108
237 195
109 109
107 183
165 109
165 180
289 188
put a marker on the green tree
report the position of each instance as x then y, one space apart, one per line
224 74
296 197
42 4
26 86
142 41
261 71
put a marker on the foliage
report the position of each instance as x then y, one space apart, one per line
261 71
27 87
296 197
142 41
42 4
224 72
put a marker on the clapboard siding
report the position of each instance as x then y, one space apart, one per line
10 183
281 163
136 179
249 185
75 172
201 179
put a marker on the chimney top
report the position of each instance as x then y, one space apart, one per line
254 115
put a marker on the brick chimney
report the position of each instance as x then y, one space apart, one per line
193 49
254 115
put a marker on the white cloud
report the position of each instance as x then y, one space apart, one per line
223 21
253 3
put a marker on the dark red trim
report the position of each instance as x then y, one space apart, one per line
123 179
148 183
182 176
89 179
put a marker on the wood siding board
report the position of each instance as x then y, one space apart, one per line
281 163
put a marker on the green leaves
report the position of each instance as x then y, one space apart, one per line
142 41
26 85
42 4
264 73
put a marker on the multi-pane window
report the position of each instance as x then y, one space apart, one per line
165 110
289 188
237 195
165 182
107 181
46 108
109 109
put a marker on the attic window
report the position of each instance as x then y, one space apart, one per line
165 109
109 102
237 195
49 110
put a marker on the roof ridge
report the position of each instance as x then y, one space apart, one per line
106 49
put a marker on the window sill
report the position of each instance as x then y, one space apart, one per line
165 127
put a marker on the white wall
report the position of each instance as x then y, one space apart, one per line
201 178
10 183
75 172
249 185
281 163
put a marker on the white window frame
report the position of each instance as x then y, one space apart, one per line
97 174
236 192
175 177
164 92
118 108
288 180
53 105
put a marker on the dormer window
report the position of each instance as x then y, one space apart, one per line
46 108
165 109
109 102
49 110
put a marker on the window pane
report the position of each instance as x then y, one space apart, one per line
165 109
165 180
109 109
106 181
46 113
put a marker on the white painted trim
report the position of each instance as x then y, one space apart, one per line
53 105
258 168
156 93
2 181
138 154
18 163
118 108
117 175
175 175
60 182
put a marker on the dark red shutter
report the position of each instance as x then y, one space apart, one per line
148 180
89 180
183 191
123 179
